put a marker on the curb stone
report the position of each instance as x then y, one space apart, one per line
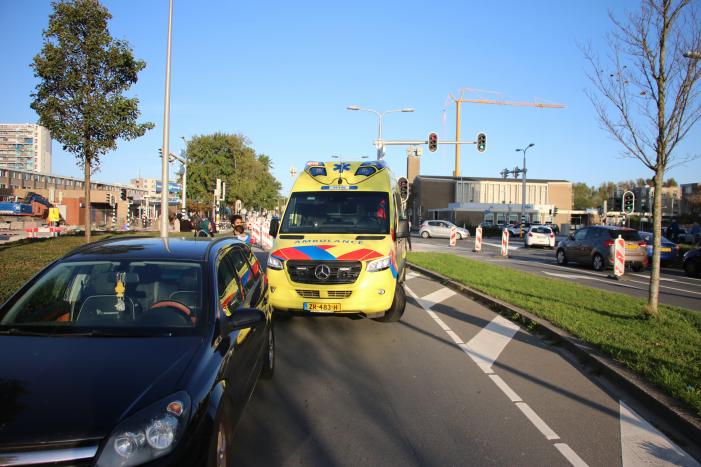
664 406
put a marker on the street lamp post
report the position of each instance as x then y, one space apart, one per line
166 133
523 188
184 187
380 144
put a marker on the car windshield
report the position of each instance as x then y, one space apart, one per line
628 235
153 296
337 212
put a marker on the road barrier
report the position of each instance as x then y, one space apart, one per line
505 243
453 236
619 251
478 239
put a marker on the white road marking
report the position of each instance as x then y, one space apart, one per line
570 455
511 246
484 349
412 275
537 421
667 287
643 444
505 388
486 346
436 297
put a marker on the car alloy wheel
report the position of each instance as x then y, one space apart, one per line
425 234
269 363
598 262
561 257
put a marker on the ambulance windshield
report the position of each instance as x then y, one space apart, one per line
337 212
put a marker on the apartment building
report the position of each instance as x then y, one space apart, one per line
25 146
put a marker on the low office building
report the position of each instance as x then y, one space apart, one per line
477 200
108 209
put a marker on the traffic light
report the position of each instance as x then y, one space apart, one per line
432 142
123 194
628 202
555 211
403 188
481 142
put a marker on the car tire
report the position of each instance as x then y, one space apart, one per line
220 450
425 234
561 257
396 311
597 262
458 236
691 269
637 267
269 359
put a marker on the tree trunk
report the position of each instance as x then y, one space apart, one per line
653 297
88 211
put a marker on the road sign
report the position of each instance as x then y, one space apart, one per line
619 251
505 243
478 239
453 236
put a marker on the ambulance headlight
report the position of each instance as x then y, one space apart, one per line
274 263
379 264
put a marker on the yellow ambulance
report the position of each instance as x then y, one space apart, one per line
340 246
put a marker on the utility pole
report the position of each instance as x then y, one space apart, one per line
460 100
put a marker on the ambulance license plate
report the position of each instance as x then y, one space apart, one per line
322 306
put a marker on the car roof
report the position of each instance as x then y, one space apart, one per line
151 248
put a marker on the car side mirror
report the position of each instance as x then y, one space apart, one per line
402 229
245 318
274 227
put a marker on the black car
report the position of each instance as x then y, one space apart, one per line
692 262
132 351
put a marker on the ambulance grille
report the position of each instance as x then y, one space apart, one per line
308 293
338 293
340 272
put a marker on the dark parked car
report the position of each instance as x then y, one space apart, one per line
668 250
692 262
132 351
594 245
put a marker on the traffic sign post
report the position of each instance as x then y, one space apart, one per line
619 251
505 243
453 236
478 239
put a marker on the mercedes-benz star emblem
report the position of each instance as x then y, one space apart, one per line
322 272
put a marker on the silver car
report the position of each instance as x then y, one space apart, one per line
441 229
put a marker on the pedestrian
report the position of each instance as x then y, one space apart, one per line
241 235
176 222
673 231
236 220
185 225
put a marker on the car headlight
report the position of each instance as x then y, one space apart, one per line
379 264
274 263
150 433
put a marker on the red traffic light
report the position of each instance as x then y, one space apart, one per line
432 142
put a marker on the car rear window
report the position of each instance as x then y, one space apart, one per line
543 230
628 235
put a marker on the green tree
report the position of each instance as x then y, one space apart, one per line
84 73
646 95
230 158
583 196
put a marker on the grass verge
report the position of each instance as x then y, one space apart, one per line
666 350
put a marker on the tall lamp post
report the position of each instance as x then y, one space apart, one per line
184 162
166 133
523 188
380 144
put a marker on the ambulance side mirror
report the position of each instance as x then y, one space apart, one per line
274 227
402 229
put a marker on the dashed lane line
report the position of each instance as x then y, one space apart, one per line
484 349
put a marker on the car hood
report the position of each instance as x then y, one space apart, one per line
69 388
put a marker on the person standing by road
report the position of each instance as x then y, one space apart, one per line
673 231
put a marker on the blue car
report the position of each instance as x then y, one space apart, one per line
668 249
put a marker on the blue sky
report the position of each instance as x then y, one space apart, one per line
282 73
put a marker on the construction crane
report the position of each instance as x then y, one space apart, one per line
460 100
